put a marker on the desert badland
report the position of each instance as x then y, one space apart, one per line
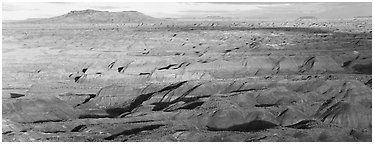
124 76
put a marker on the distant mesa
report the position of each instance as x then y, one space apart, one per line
215 17
362 17
95 16
88 11
129 11
307 18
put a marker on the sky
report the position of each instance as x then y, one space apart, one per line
25 10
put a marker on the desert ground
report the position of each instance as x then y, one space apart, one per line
111 77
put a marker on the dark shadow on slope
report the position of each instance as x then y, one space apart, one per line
134 131
252 126
362 68
195 98
16 95
90 96
307 65
188 106
192 105
305 124
85 116
115 112
173 86
79 128
161 105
